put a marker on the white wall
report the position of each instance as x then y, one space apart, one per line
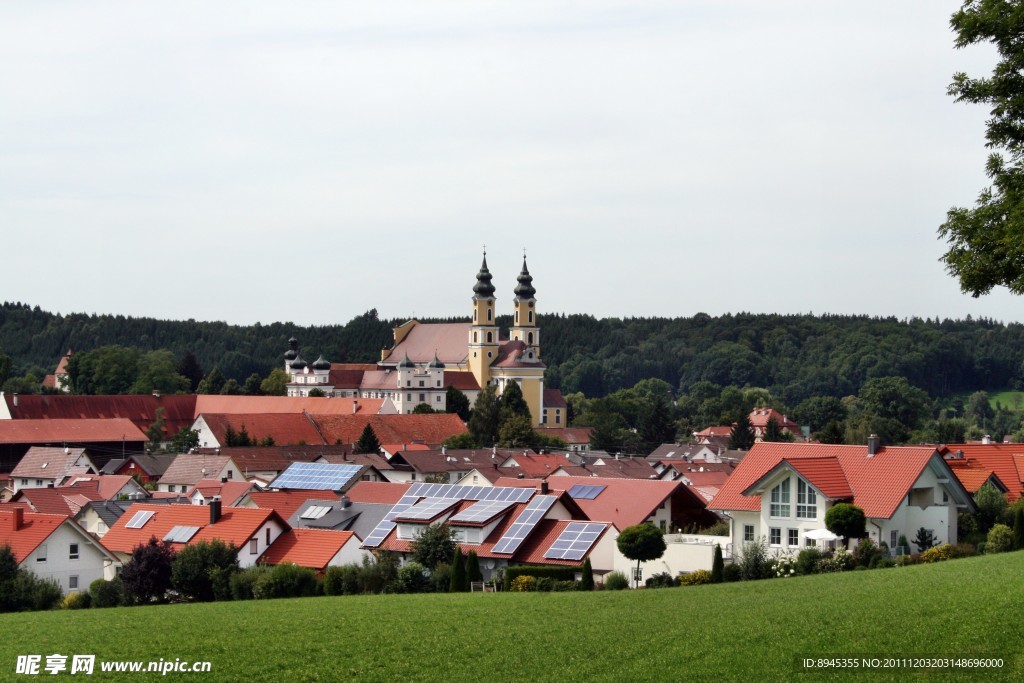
246 557
91 564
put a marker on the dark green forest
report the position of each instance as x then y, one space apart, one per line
795 357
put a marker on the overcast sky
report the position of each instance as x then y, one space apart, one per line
272 161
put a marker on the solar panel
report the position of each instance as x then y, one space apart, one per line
317 476
585 491
428 508
315 512
524 524
181 534
575 541
139 519
385 526
482 510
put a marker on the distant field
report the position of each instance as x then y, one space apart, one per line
1011 400
745 631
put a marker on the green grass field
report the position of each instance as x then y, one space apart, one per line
733 632
1010 400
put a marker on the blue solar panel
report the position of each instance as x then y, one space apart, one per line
428 509
524 524
385 526
575 541
585 491
317 476
482 510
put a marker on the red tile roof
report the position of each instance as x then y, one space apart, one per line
538 466
759 420
429 429
188 468
236 525
33 530
57 501
570 435
269 458
287 502
313 548
463 381
719 431
553 399
140 409
107 486
825 474
72 431
450 341
973 475
284 428
47 462
377 492
348 375
879 483
245 405
1003 459
515 354
230 491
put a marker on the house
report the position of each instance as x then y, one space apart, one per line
44 466
63 501
444 466
285 502
1006 461
317 549
268 429
144 467
251 530
189 468
430 429
54 547
592 465
781 492
109 486
378 466
59 379
577 439
973 475
320 476
229 492
426 359
715 437
103 438
340 515
759 418
97 516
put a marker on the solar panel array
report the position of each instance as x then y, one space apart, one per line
385 526
585 491
524 524
315 512
139 519
482 510
181 534
317 476
510 493
428 508
575 541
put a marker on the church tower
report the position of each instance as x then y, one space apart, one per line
524 323
483 332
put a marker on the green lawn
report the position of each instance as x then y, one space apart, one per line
745 631
1010 400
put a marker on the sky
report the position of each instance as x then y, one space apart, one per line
306 162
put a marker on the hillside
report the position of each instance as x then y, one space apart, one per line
728 632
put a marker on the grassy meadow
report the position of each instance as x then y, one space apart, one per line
732 632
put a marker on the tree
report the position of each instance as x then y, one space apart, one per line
459 582
924 539
641 542
189 368
742 435
473 573
157 372
155 433
773 433
979 408
819 411
991 504
1018 529
833 433
434 544
232 388
422 409
316 392
185 440
253 384
5 367
986 243
717 565
484 420
846 520
656 425
516 431
147 573
201 571
608 430
211 384
368 443
587 579
276 383
512 403
456 402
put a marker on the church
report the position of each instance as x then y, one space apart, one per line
425 359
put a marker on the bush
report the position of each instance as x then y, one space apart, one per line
807 560
76 601
548 585
587 582
783 568
286 581
615 581
412 578
719 528
378 573
885 563
752 560
522 584
662 580
441 578
695 578
924 539
147 574
908 560
202 571
1000 539
343 580
107 593
838 561
939 553
717 565
865 552
540 571
243 583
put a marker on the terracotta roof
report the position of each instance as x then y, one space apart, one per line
107 486
57 501
287 502
431 462
45 431
535 466
623 468
380 379
759 419
269 458
879 483
375 460
284 428
570 435
312 548
825 474
553 399
430 429
230 492
973 475
140 409
188 468
34 529
718 431
246 405
492 474
463 381
348 375
706 478
1003 459
449 340
377 492
42 462
236 525
515 354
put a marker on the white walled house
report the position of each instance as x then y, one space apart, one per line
781 492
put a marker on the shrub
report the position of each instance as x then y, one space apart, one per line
939 553
107 593
924 539
76 601
662 580
846 520
1000 539
343 580
908 560
695 578
522 584
473 572
243 583
1018 529
412 578
285 581
838 561
147 573
540 571
784 567
202 571
731 573
885 563
548 585
587 581
964 550
865 552
378 573
752 560
441 578
719 528
615 581
434 544
807 560
717 565
458 581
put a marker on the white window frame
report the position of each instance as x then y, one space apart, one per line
73 551
793 538
806 501
775 536
748 533
779 500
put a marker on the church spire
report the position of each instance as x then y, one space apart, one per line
525 290
483 289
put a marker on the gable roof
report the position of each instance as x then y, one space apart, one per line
377 492
430 429
230 492
268 458
516 354
140 409
48 462
64 501
878 484
1006 460
287 502
536 466
450 341
188 468
216 404
284 428
313 548
759 418
33 529
973 475
553 399
70 431
236 525
463 381
152 465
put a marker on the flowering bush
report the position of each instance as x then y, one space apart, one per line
785 567
695 578
523 584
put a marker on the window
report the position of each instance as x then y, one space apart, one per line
423 397
408 397
72 582
748 532
73 551
558 418
39 482
41 553
794 538
894 536
230 474
529 338
490 337
254 546
780 500
268 535
437 399
661 525
806 500
774 536
421 383
490 315
24 482
530 316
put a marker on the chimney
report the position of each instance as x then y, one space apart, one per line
874 443
959 455
223 480
15 397
214 509
543 487
986 439
345 502
17 518
444 449
520 476
156 393
355 407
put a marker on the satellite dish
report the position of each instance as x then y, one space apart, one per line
489 564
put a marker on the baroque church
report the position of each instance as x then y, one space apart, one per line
426 359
